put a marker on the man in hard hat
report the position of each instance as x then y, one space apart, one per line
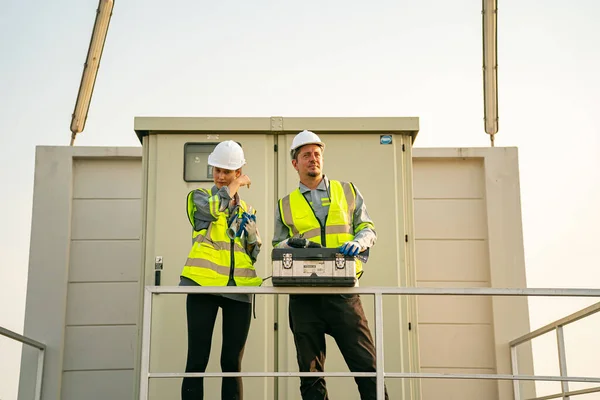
226 243
332 214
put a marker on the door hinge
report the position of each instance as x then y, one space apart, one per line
275 148
275 326
409 326
406 238
403 148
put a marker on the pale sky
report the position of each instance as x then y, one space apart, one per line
324 58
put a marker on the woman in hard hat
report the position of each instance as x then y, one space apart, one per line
225 245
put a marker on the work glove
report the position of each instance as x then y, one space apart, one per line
251 231
242 226
350 248
302 243
283 245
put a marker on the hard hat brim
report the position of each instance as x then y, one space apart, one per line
223 166
297 148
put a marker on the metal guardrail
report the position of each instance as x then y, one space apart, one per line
562 358
42 351
378 292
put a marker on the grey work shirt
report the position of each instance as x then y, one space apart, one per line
203 217
365 237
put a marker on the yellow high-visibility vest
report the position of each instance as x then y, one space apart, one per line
299 217
213 253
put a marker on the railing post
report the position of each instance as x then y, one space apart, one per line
562 360
40 374
146 329
514 362
379 346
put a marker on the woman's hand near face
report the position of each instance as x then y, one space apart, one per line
242 180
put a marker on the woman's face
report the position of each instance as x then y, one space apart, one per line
223 177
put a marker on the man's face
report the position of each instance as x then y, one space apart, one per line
309 161
223 177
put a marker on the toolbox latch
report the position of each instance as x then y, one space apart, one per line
340 261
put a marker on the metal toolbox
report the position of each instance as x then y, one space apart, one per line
312 267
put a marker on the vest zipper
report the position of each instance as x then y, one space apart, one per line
323 226
231 281
323 235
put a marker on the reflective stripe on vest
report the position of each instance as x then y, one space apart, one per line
218 245
209 261
300 219
237 272
191 206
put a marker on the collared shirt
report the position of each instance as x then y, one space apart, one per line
319 200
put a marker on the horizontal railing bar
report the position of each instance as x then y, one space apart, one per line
418 375
260 374
586 312
499 377
23 339
546 292
566 394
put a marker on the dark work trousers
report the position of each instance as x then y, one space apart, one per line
201 315
343 318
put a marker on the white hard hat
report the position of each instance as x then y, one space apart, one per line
227 155
304 138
